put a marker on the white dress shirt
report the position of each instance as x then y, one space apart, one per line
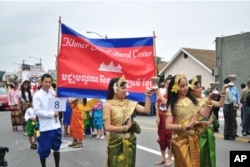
46 118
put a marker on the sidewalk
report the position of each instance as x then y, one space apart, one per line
220 134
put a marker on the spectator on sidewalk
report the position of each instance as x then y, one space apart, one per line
228 111
236 106
246 114
242 85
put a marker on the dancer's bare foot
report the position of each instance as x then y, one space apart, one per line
160 162
168 163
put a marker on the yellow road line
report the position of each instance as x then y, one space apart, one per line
240 139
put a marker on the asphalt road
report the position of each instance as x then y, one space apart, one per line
93 153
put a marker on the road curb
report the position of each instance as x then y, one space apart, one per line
241 139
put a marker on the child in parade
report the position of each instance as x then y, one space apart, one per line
66 118
30 118
76 124
97 113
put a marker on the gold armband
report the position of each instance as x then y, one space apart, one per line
168 114
207 102
105 118
209 106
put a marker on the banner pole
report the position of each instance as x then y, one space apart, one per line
155 57
155 79
59 32
58 50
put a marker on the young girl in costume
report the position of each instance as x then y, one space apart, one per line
97 113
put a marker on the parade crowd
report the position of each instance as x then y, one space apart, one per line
186 117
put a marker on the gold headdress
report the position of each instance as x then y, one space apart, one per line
176 87
121 79
195 79
118 83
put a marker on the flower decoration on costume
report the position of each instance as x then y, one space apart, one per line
118 83
175 88
185 105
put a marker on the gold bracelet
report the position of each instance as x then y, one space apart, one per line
222 95
210 106
182 127
124 128
148 94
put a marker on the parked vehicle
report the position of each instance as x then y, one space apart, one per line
4 106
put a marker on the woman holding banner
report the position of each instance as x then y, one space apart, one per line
118 120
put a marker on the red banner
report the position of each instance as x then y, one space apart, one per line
85 66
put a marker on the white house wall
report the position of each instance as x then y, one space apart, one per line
190 68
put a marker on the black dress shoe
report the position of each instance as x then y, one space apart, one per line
236 135
248 133
244 133
229 138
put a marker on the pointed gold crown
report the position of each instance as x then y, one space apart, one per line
121 79
175 88
178 77
195 79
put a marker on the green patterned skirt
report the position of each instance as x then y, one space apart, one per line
121 150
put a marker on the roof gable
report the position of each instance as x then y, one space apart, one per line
205 58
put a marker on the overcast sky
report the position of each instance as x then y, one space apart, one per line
31 28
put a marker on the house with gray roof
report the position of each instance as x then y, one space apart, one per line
192 62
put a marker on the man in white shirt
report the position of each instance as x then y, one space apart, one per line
49 124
